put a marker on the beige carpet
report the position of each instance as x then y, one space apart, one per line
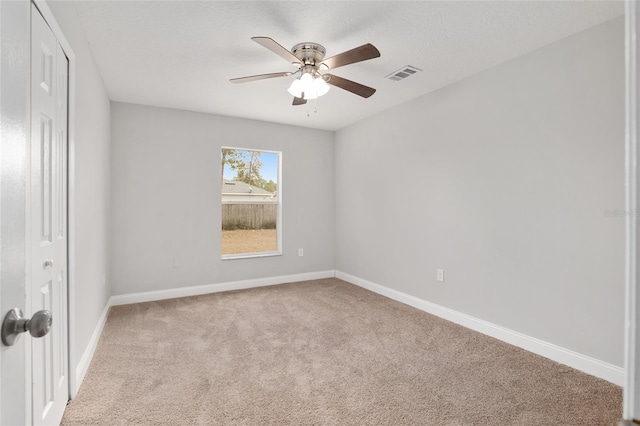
321 353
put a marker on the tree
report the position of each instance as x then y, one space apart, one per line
233 158
270 186
249 170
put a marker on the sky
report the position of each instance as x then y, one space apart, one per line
269 170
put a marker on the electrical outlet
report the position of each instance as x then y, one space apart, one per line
300 252
440 275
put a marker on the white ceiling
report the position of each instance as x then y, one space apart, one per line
181 54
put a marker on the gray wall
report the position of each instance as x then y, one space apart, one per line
166 203
92 139
502 179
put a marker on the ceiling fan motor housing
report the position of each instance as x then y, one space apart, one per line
309 53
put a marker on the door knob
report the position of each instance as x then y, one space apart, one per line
15 323
47 264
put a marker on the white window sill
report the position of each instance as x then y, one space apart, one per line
250 255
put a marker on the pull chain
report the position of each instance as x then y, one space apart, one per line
315 107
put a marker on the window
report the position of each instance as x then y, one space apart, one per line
250 198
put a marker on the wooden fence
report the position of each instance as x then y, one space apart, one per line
249 216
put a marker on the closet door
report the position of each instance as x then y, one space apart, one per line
48 237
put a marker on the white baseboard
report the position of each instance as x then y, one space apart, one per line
87 356
601 369
149 296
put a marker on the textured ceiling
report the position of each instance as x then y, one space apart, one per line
181 54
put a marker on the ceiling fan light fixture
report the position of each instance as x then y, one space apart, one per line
307 86
304 87
306 78
310 95
295 89
321 86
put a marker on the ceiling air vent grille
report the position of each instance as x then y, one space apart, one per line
402 73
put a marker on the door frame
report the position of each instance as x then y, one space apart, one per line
48 16
631 402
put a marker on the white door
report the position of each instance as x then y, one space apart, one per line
50 387
14 133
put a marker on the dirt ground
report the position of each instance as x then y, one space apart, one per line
249 241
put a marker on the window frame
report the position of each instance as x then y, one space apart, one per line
278 202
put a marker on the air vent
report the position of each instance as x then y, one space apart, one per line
402 73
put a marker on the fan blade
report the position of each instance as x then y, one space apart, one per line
299 101
259 77
351 86
273 46
362 53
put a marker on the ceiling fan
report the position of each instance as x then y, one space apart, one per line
309 58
